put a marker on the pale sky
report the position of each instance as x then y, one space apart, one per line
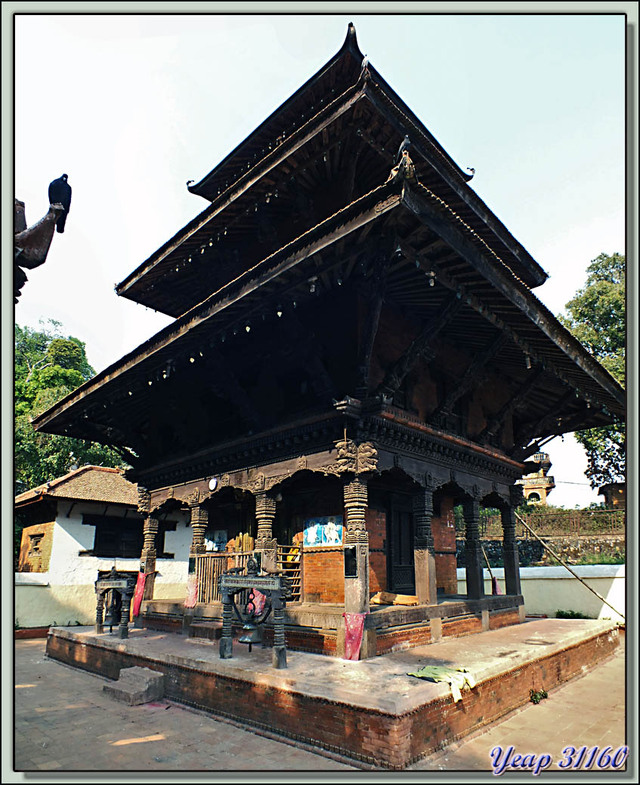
131 107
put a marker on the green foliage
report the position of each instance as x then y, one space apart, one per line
535 696
49 366
571 615
602 558
596 316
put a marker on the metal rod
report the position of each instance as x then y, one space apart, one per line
564 564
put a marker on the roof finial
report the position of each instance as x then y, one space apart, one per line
351 42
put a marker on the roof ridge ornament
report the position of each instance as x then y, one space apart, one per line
405 170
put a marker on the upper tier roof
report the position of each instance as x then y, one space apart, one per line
343 126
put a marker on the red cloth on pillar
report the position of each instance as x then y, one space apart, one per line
192 592
353 632
138 593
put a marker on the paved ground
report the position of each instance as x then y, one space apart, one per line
64 722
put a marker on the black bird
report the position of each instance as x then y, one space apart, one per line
60 193
406 144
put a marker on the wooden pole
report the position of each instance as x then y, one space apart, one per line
564 564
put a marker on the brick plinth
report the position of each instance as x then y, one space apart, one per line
397 640
382 735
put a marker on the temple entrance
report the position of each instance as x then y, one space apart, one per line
400 537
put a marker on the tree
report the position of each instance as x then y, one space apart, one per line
49 366
596 316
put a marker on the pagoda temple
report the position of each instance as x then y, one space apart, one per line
356 352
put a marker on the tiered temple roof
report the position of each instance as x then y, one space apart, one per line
322 271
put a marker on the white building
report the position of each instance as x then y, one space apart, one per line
77 527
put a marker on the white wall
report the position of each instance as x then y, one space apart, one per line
550 589
65 595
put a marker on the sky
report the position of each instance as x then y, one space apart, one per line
133 106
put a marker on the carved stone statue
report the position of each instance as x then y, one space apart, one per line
31 245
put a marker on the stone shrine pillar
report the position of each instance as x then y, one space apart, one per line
423 549
265 542
511 559
473 549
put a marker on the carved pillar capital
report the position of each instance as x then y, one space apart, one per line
355 506
144 501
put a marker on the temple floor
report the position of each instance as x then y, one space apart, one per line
370 710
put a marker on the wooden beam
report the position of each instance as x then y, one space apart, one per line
472 377
419 347
516 400
367 209
444 222
543 425
373 293
436 157
224 380
298 139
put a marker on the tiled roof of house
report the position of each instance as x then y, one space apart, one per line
88 483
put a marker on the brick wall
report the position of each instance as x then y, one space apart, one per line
465 625
323 575
499 619
444 543
35 547
376 522
398 640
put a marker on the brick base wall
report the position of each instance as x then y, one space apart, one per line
388 740
398 640
465 625
503 619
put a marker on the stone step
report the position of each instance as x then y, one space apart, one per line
136 685
211 630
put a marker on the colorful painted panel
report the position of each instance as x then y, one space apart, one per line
325 530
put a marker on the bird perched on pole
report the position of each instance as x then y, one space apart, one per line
406 144
60 193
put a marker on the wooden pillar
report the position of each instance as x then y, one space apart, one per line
149 553
265 541
149 532
511 559
473 549
356 544
423 550
199 522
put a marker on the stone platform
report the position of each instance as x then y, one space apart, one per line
371 710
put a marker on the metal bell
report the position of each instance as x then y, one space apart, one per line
113 611
252 633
